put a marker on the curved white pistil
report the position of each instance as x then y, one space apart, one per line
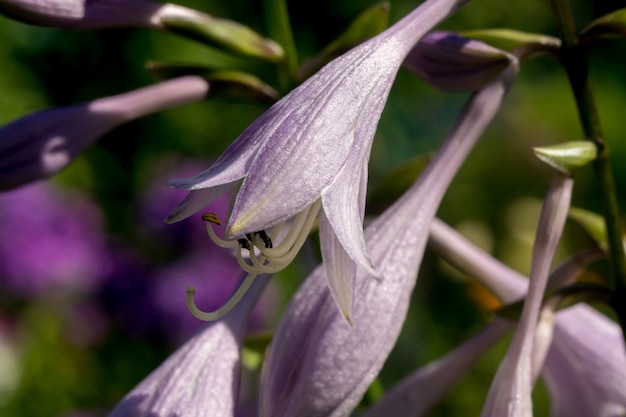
265 256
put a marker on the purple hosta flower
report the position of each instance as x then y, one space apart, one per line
452 62
510 392
202 377
51 238
307 155
41 144
585 368
318 364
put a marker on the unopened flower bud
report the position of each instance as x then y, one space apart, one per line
452 62
41 144
569 156
81 14
610 25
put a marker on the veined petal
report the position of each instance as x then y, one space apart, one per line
233 164
340 269
328 116
195 201
331 115
318 364
344 208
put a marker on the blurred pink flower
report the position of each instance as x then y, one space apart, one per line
51 238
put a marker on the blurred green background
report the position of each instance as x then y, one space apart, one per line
495 198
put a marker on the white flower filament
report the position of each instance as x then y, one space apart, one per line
265 257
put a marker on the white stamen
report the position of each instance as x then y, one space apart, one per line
222 311
220 242
262 259
299 228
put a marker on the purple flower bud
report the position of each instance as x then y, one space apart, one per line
510 392
452 62
82 14
41 144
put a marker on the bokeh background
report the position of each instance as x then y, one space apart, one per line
92 282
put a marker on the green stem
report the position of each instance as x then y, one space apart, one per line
279 28
574 59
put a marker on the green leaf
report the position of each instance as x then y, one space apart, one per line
568 157
221 33
366 25
521 44
258 342
608 26
222 83
592 223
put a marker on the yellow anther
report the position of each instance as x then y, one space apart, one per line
211 217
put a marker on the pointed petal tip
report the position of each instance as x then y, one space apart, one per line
347 314
240 227
177 214
181 183
234 229
370 270
377 275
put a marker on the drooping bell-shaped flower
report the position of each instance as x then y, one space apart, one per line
308 154
41 144
585 368
202 377
318 364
